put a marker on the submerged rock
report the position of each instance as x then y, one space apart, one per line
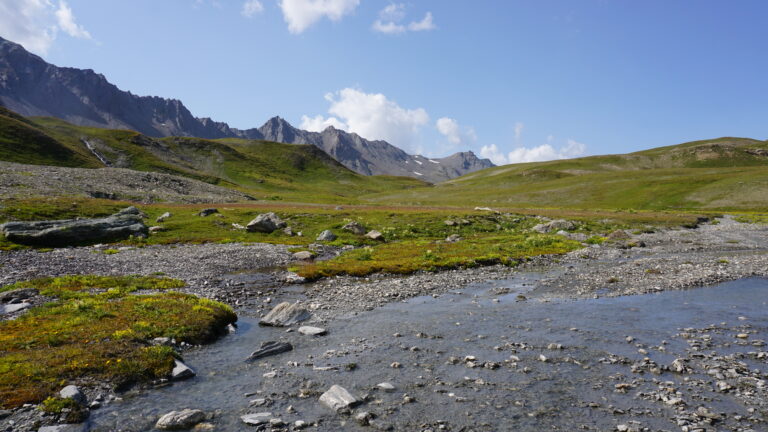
71 232
285 314
269 349
180 420
257 419
266 223
337 398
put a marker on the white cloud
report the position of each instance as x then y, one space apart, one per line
67 22
251 8
35 23
320 123
455 134
302 14
391 17
540 153
372 116
423 25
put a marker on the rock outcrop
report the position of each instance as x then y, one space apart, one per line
70 232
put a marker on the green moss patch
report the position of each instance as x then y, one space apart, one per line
410 256
101 336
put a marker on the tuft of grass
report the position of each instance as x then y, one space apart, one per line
102 336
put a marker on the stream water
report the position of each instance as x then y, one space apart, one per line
571 390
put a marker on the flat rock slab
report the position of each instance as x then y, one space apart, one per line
312 331
81 427
181 371
72 232
285 314
180 420
269 349
337 397
257 419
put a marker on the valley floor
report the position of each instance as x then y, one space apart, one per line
524 348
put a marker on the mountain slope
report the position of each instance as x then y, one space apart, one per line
724 173
32 87
263 169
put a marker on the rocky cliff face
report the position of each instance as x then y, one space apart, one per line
32 87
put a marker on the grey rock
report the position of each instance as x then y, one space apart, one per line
80 427
326 235
375 235
181 371
362 418
304 256
156 229
285 314
555 225
385 386
76 231
266 223
18 294
619 235
453 238
163 217
337 398
354 228
311 331
257 419
207 212
269 349
74 393
13 307
180 420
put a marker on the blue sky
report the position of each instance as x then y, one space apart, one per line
513 80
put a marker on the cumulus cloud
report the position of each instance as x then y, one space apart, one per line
456 134
35 23
319 123
251 8
540 153
391 17
372 116
302 14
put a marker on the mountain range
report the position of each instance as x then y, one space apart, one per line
32 87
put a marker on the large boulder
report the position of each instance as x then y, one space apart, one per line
70 232
266 223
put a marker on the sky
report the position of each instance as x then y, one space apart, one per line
515 81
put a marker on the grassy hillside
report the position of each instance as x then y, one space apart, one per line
725 173
263 169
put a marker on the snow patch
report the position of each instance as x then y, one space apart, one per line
418 162
433 161
418 173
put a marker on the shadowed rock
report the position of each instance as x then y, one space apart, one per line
70 232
